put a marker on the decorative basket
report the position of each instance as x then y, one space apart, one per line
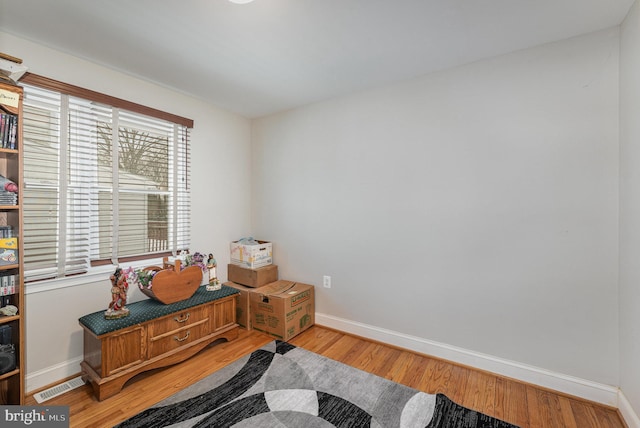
171 284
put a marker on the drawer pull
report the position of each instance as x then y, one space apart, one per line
182 319
176 338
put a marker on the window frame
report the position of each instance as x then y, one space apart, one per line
77 91
115 103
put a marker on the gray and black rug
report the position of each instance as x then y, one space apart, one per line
281 386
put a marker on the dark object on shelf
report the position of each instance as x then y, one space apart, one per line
5 335
7 358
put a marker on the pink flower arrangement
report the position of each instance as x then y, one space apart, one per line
144 278
197 259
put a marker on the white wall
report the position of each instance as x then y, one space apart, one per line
476 207
220 162
630 209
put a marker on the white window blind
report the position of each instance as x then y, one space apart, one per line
100 183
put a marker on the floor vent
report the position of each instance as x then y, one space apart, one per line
58 389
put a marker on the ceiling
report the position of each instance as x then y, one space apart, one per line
272 55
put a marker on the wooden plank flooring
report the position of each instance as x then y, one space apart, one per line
521 404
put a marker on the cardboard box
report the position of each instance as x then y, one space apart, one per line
8 251
252 256
282 309
252 277
243 314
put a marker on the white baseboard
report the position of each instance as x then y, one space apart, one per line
593 391
52 374
627 412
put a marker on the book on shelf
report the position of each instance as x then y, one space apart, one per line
8 130
8 283
7 290
6 232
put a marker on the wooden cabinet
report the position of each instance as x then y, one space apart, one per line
114 357
173 332
11 267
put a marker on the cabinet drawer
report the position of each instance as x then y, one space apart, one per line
178 320
171 340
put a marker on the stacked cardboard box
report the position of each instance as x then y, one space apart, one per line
251 255
282 309
252 277
245 279
242 305
279 308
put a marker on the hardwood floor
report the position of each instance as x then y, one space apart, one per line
521 404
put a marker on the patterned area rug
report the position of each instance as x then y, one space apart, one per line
281 386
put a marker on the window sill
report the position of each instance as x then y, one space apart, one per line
96 274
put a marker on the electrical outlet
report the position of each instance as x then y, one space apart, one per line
326 281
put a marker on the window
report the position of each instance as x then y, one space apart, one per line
102 183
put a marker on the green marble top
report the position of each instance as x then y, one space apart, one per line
149 309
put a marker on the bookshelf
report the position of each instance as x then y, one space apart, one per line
12 327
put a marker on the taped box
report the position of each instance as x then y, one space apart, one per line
8 251
252 277
251 255
282 309
243 313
